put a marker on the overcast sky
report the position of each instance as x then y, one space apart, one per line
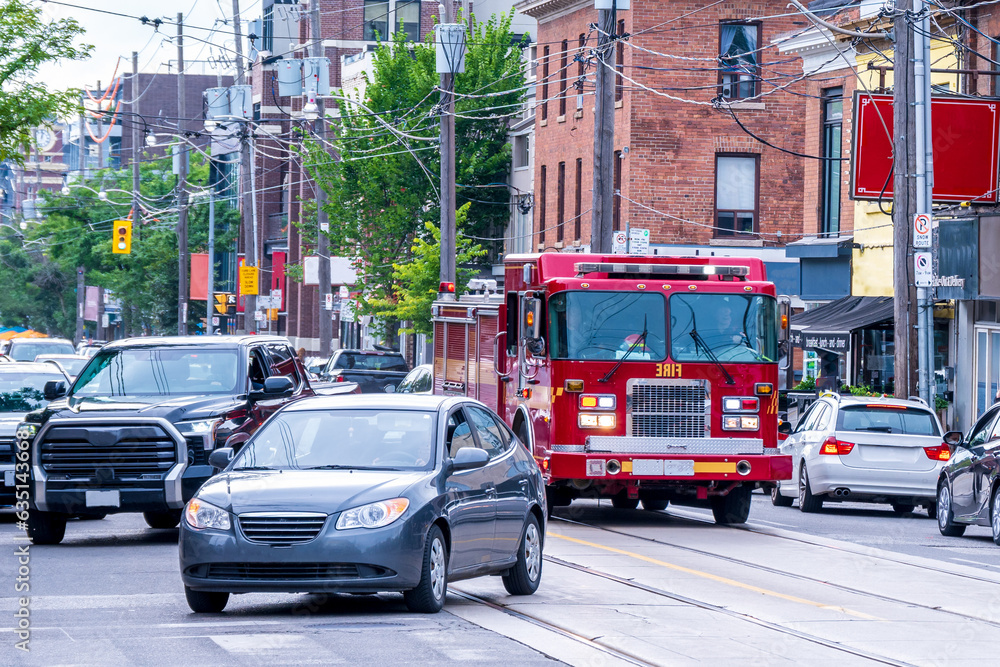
118 36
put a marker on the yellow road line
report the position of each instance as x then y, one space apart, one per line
716 578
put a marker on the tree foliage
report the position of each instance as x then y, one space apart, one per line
38 267
383 189
28 41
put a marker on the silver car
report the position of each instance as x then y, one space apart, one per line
864 449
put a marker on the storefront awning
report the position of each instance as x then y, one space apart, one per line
829 327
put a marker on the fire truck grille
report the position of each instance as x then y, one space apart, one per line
669 410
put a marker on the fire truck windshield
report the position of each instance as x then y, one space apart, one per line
604 325
730 327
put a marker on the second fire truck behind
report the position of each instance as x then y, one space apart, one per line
647 379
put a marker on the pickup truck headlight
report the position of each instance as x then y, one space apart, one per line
205 428
374 515
201 515
26 431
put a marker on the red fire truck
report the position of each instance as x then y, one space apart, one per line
649 379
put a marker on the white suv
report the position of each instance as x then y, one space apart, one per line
864 449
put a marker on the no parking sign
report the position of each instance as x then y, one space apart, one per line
922 230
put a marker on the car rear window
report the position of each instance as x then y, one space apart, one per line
372 362
887 419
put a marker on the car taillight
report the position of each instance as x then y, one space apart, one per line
939 453
832 446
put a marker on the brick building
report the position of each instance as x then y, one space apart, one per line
685 169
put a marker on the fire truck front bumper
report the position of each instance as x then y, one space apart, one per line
610 460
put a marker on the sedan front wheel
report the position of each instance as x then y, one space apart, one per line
995 516
945 517
524 577
428 596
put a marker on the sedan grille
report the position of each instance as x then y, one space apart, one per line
281 530
287 571
668 409
129 451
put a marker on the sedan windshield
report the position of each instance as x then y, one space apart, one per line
27 351
723 327
378 439
605 325
151 371
22 392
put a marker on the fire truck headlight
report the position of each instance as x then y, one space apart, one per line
749 423
731 404
597 402
731 423
597 421
740 423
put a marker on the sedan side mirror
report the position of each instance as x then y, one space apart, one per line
221 457
54 389
784 427
469 458
953 438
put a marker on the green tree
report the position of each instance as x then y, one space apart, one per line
39 266
383 188
29 41
417 280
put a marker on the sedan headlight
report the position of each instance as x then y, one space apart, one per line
201 515
374 515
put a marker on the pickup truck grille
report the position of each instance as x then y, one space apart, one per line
129 451
281 529
6 450
668 409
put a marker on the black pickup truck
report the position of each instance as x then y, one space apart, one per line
134 432
373 370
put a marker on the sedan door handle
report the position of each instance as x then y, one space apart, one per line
491 490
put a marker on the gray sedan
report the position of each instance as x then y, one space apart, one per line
364 494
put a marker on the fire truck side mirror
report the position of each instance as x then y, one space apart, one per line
531 319
784 318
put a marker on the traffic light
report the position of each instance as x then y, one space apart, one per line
220 303
121 243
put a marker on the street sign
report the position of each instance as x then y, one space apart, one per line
215 320
344 292
638 241
619 243
259 315
923 269
329 300
248 280
276 298
922 230
263 302
347 311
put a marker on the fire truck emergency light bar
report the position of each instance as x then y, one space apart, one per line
651 269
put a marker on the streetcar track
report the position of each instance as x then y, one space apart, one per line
708 606
793 575
616 653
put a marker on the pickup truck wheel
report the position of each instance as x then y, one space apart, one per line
46 527
206 602
167 519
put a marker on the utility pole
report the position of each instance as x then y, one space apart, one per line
100 133
448 201
246 191
904 206
136 156
322 240
601 217
83 143
210 296
81 302
925 192
182 196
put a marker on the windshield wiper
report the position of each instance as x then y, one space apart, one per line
698 340
640 339
254 468
334 466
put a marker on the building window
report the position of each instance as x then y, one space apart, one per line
545 84
620 64
561 201
735 194
616 211
541 208
267 28
833 118
408 18
376 20
740 60
563 78
522 151
577 213
995 66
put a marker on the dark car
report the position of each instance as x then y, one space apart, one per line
134 432
373 370
364 494
968 492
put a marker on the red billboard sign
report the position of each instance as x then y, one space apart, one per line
966 147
